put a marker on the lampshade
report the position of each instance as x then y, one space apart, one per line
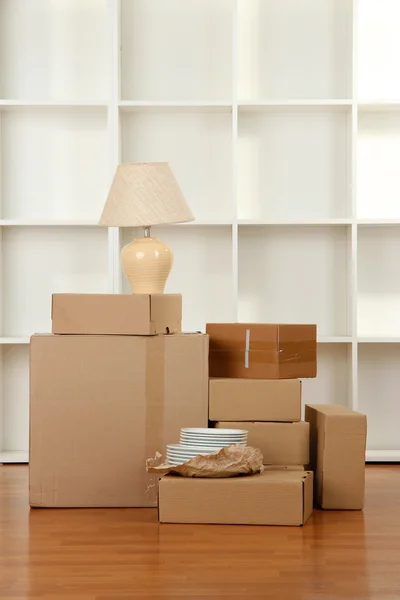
144 194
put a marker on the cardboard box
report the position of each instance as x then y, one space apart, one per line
101 405
255 400
274 497
261 351
280 443
116 314
337 455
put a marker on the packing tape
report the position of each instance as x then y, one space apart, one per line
247 349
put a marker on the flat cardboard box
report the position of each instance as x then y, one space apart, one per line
255 400
280 443
274 497
116 314
101 405
262 351
337 455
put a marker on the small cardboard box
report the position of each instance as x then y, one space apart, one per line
101 405
280 443
255 400
337 455
274 497
116 314
262 351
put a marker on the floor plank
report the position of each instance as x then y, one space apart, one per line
111 554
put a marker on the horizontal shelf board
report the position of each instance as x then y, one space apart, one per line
371 222
303 105
16 104
383 455
300 222
15 340
335 339
17 456
49 223
377 105
138 105
378 340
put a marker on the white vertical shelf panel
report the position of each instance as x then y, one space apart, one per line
293 164
53 163
294 274
202 272
54 50
37 262
292 49
176 50
198 146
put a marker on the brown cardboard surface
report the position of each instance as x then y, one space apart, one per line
262 351
116 314
280 443
255 400
274 497
337 455
101 405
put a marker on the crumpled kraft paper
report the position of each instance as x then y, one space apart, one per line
226 462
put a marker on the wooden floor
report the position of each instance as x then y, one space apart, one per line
111 554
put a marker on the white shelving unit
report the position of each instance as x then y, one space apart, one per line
281 120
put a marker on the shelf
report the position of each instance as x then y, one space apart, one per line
306 105
142 106
13 105
35 266
295 223
14 422
17 457
198 147
294 275
54 164
378 49
332 384
14 340
54 50
202 273
196 66
378 282
294 50
293 166
378 170
379 384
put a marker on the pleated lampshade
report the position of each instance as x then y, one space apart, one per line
142 195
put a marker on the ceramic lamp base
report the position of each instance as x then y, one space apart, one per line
147 262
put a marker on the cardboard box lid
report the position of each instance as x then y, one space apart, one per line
265 337
117 314
274 497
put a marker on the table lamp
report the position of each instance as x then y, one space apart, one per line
142 195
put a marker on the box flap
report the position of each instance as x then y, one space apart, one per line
165 308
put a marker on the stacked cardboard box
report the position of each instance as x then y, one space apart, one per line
108 389
254 385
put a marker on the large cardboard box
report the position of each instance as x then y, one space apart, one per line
337 455
274 497
262 351
255 400
280 443
117 314
100 405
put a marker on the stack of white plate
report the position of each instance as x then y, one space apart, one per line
212 438
195 441
177 454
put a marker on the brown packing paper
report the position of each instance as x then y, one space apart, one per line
227 462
